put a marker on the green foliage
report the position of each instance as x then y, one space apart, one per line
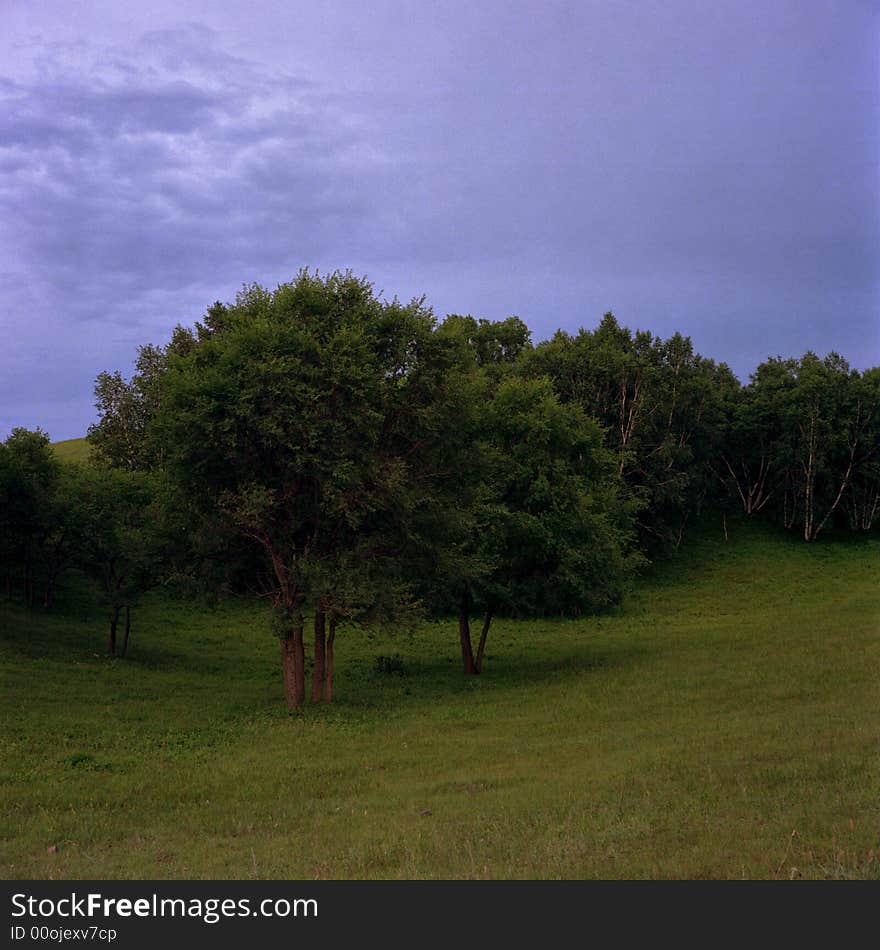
29 474
806 434
390 665
491 343
123 435
306 419
121 517
556 527
659 404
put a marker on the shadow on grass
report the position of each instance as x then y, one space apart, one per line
429 682
226 651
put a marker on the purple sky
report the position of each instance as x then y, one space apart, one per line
704 167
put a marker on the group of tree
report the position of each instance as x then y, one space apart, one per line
55 517
802 445
799 443
355 461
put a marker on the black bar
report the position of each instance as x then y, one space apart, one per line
410 913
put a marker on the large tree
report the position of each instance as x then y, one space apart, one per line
308 419
538 524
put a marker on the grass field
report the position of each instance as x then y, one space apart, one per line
72 450
725 724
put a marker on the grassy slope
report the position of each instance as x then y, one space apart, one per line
72 450
726 724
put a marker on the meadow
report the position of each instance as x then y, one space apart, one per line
725 723
72 450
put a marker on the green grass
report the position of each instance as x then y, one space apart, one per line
72 450
725 724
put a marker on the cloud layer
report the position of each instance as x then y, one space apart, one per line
713 174
138 185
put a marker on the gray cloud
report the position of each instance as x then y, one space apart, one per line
706 171
132 197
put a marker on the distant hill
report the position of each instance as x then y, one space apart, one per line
72 450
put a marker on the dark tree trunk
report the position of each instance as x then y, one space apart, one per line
464 636
484 633
122 652
114 619
320 647
287 670
292 655
50 589
328 669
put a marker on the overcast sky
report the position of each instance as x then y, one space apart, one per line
704 167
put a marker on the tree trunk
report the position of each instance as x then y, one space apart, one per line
114 619
287 667
320 647
50 590
292 655
328 668
484 633
122 652
464 636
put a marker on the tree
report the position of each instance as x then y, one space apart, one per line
121 541
864 487
29 474
303 419
490 342
537 524
122 437
750 453
659 404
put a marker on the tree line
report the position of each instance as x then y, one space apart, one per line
353 461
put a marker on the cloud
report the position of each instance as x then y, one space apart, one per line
183 167
713 174
137 185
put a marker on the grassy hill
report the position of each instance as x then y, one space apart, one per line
726 723
72 450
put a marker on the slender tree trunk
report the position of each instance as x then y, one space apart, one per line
810 483
292 652
124 649
464 636
318 671
484 633
328 667
843 485
287 663
114 619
